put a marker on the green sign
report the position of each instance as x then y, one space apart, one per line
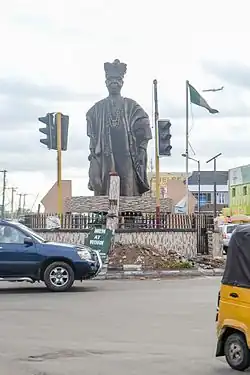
100 239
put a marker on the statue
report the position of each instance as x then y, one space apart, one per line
119 131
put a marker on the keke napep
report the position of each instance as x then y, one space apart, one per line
233 310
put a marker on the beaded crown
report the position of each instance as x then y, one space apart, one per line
115 69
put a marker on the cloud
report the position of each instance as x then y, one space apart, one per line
22 150
17 88
22 102
231 72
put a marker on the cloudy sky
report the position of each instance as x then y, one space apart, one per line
52 60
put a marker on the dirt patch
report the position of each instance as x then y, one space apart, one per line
149 257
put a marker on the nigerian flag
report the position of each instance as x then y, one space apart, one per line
197 99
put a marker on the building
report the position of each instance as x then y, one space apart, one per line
207 188
172 186
239 190
164 178
50 200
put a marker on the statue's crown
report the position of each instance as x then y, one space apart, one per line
115 69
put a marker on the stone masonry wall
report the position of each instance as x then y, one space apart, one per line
184 242
127 204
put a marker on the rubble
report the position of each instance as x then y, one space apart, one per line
149 257
208 262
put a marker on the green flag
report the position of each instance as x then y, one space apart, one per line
197 99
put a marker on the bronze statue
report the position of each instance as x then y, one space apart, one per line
119 131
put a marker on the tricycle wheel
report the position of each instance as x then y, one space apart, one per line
237 352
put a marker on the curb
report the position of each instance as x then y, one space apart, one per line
161 274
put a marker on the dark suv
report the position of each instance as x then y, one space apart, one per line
26 256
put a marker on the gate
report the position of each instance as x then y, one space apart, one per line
203 224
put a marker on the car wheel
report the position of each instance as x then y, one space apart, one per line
59 277
237 352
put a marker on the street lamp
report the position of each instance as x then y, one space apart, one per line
199 178
215 192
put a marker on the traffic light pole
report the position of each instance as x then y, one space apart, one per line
59 162
157 159
187 147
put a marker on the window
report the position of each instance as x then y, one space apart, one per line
9 234
244 190
205 198
231 228
221 198
233 192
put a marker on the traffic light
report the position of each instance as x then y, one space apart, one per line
49 131
52 121
164 138
64 131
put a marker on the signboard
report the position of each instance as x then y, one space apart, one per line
100 239
53 222
235 176
165 177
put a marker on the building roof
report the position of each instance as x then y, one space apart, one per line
207 178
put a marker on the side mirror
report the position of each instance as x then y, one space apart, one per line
28 241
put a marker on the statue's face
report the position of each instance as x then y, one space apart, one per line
114 85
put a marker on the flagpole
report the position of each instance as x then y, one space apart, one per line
187 147
157 159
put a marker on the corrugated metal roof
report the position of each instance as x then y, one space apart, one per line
207 178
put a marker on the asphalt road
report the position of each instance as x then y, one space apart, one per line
147 327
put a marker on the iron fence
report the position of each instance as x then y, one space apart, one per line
128 220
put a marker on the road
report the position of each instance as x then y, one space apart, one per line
148 327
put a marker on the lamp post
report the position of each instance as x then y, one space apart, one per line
199 178
215 188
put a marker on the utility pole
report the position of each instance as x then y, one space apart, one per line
13 190
24 201
20 204
4 193
215 188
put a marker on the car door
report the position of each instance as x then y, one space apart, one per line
16 257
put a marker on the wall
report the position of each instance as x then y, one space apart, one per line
143 204
239 180
222 196
184 242
239 201
215 244
50 201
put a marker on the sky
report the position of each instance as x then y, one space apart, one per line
52 60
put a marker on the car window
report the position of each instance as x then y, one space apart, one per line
231 228
9 234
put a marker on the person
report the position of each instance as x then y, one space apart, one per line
7 235
119 132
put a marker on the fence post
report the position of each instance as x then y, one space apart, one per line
114 197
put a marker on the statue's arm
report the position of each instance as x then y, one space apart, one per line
91 135
142 133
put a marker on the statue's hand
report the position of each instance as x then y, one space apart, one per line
91 155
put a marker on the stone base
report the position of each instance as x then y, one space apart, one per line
143 204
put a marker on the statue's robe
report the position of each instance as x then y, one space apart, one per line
118 147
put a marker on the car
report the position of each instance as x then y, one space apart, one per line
27 256
227 231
